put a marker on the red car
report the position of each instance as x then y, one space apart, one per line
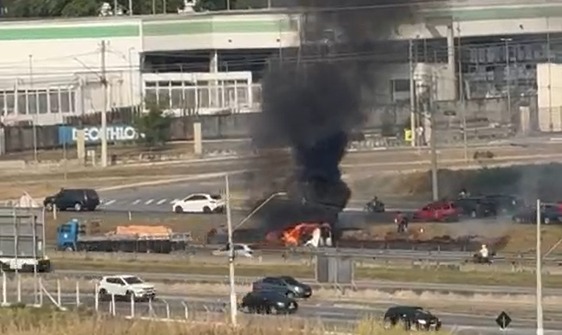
437 211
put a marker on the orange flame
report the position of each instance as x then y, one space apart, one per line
292 236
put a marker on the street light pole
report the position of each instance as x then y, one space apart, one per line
233 305
540 329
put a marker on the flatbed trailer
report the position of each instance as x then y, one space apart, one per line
130 244
71 237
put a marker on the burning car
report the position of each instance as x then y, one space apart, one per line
306 233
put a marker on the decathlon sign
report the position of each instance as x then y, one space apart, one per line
115 133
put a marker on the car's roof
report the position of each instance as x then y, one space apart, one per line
393 308
269 292
120 276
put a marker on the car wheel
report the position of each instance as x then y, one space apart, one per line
49 207
272 310
78 207
290 295
178 210
546 220
69 249
206 210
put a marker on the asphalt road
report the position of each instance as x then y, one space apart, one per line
344 315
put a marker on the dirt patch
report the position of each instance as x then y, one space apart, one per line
518 238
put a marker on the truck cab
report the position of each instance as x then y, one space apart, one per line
67 235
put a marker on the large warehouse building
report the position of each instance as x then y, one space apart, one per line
205 63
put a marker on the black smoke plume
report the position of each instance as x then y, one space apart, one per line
314 99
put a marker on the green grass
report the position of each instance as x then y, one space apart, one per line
442 275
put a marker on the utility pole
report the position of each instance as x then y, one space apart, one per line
233 305
104 108
34 120
433 145
412 95
507 74
538 270
130 7
227 4
461 98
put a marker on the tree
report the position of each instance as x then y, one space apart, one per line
154 124
80 8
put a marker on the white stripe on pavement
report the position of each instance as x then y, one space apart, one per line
136 202
149 201
161 201
109 202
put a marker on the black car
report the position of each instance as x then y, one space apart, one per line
550 213
268 302
505 204
410 318
285 285
475 207
77 199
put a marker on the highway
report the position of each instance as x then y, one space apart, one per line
159 197
331 314
381 285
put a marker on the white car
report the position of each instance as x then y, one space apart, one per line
125 287
239 250
200 203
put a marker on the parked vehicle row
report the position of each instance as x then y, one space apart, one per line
468 207
550 214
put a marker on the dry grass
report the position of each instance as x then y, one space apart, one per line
48 322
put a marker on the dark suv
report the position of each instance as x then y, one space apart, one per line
268 302
77 199
505 204
475 207
411 318
285 285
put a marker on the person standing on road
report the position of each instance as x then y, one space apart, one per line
484 254
401 222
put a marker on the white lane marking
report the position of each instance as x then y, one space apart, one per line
149 201
109 202
136 202
161 201
174 201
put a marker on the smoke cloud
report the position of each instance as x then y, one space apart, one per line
314 98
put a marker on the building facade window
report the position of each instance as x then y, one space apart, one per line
39 101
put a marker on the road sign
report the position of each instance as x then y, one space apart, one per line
503 320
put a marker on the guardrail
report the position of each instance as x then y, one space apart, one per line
16 292
286 255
